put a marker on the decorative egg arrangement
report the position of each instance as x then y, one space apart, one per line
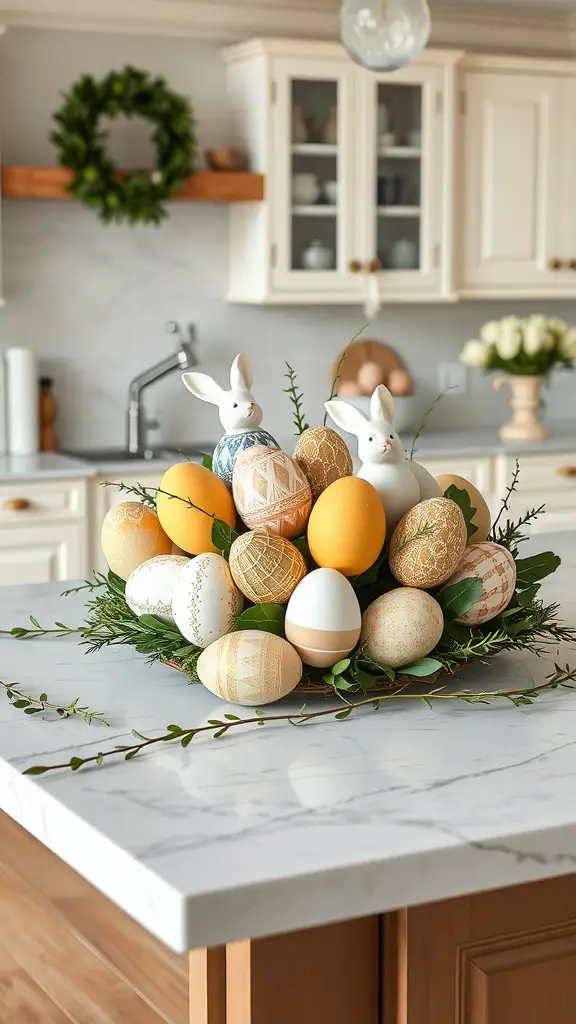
205 600
150 587
314 591
428 543
271 491
265 567
494 566
323 456
323 618
131 534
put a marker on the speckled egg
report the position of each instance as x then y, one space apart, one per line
150 587
206 600
323 618
250 668
191 528
428 543
271 491
229 447
494 566
482 519
266 567
131 534
347 526
401 626
323 456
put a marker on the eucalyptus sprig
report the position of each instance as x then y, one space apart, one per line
219 727
297 399
344 355
36 705
59 629
144 494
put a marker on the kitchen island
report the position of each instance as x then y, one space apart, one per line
407 867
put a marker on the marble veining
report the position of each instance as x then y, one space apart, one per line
279 828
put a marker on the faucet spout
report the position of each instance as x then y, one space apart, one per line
182 359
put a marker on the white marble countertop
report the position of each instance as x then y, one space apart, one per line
44 465
279 828
485 441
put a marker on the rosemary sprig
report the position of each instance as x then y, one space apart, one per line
561 677
425 418
36 705
339 366
98 580
297 399
25 633
505 506
423 531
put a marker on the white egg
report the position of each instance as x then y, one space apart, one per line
206 600
150 586
323 618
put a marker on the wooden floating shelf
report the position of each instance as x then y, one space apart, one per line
204 187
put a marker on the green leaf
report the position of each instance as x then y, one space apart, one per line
138 735
43 696
301 543
343 714
187 740
370 575
427 703
364 679
527 597
36 769
35 622
460 597
33 711
340 667
340 683
267 617
423 667
223 536
535 568
100 760
174 728
21 704
462 499
131 754
206 461
233 718
375 667
75 763
220 732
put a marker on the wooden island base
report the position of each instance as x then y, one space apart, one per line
68 954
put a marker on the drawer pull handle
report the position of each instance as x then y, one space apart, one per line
16 504
567 471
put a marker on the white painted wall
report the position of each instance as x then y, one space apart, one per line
91 300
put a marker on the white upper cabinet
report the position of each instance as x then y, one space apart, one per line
358 176
517 222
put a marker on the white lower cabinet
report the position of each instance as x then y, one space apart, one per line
43 531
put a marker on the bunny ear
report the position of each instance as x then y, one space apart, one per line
382 405
203 386
346 416
241 373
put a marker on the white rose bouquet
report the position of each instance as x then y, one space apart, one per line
529 346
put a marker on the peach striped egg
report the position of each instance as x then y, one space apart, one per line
271 492
494 566
323 618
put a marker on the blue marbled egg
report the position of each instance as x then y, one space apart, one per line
229 447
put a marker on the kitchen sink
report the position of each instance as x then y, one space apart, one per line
163 454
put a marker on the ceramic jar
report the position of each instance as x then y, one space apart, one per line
305 189
404 255
525 424
318 256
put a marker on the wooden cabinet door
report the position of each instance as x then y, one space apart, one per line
504 957
509 157
42 553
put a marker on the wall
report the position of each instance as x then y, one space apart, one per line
92 300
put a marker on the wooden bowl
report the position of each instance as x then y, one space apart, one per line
226 159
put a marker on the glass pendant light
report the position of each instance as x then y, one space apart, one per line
384 35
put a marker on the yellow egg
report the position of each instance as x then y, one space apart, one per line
401 626
265 567
494 566
271 491
188 527
482 519
323 456
250 667
428 543
131 534
347 526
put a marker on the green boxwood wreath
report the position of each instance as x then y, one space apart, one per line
81 143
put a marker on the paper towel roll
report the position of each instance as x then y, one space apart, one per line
22 392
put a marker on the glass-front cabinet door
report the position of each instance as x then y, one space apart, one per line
314 179
403 178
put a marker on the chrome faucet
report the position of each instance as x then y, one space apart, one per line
184 358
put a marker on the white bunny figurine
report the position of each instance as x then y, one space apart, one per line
239 414
400 483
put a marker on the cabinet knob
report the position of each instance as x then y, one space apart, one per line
354 266
16 504
571 264
374 266
566 471
555 264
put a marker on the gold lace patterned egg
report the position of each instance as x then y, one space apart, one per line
206 601
265 567
323 456
428 543
131 534
250 667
